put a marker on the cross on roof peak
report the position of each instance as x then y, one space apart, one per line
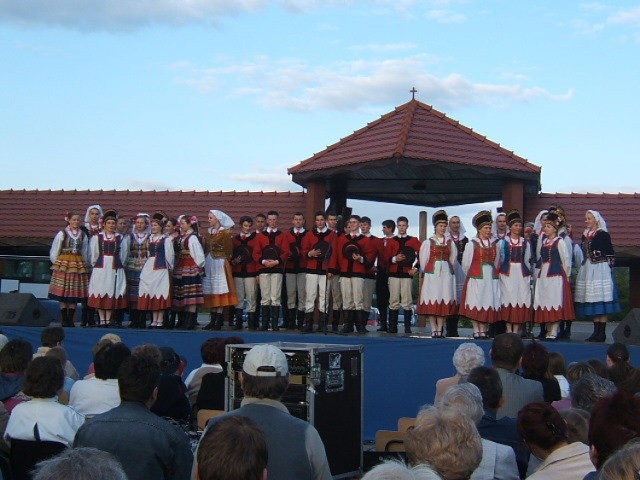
413 92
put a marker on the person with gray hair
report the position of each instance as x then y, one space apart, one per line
80 464
589 389
466 357
498 461
395 470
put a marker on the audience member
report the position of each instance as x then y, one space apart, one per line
53 337
80 464
506 352
621 372
558 369
589 389
149 350
3 340
100 393
599 367
575 372
146 445
43 417
296 451
172 401
624 464
577 421
219 457
466 357
535 366
14 359
395 470
105 339
211 363
211 394
446 441
498 461
545 432
61 354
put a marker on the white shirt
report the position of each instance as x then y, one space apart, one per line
94 396
56 422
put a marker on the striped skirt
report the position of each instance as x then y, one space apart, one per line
187 283
69 279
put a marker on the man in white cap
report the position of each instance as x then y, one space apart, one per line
296 451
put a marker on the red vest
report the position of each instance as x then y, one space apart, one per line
482 256
438 253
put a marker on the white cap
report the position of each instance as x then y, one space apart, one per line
266 361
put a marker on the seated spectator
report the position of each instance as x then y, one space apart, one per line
43 415
61 354
147 446
545 432
589 389
80 464
14 359
575 372
211 363
535 366
577 425
621 372
53 337
615 420
219 457
394 470
498 461
446 441
599 367
211 393
100 394
106 338
624 464
466 357
3 340
149 350
172 401
558 369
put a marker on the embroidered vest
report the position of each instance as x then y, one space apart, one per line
550 254
438 253
157 251
482 256
109 248
514 254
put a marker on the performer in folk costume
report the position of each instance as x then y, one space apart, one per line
123 226
155 292
438 257
218 285
69 256
108 284
500 228
481 294
552 300
171 230
295 277
318 247
354 256
370 275
535 239
92 226
402 252
596 294
382 274
334 281
245 273
138 246
456 232
515 275
270 254
187 274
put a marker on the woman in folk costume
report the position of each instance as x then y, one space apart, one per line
69 256
138 241
172 230
108 284
481 295
438 257
92 226
552 300
456 232
187 274
535 239
218 285
514 264
155 293
595 291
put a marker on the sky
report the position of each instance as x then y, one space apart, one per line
227 94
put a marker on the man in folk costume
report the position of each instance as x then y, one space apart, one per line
245 272
271 253
334 282
318 248
402 252
354 253
382 274
295 273
456 232
499 232
370 276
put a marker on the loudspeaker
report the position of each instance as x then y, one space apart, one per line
23 309
628 330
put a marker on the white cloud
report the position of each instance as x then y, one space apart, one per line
626 17
599 17
266 181
147 185
443 15
384 47
295 85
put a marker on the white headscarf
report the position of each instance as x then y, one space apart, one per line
224 219
537 225
86 215
494 227
602 225
461 233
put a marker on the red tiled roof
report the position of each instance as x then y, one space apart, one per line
40 213
619 210
418 131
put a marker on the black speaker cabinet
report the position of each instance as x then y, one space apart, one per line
325 390
628 330
23 309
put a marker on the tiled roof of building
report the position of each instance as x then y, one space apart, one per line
36 215
416 130
619 210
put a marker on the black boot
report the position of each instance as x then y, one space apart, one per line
191 320
300 320
117 318
323 323
393 321
407 321
90 318
561 329
543 332
335 320
252 321
230 313
452 326
266 317
600 333
64 317
383 321
213 316
594 334
348 324
290 324
308 323
361 321
238 319
71 313
182 320
275 318
134 316
169 321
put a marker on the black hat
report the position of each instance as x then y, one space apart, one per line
440 217
555 208
554 220
160 216
109 214
513 216
482 218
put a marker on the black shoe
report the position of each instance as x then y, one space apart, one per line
348 325
393 321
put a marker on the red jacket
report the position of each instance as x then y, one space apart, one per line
296 263
311 239
394 246
265 240
346 266
247 268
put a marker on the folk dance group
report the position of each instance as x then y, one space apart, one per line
166 265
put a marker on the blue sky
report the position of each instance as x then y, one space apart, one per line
226 94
